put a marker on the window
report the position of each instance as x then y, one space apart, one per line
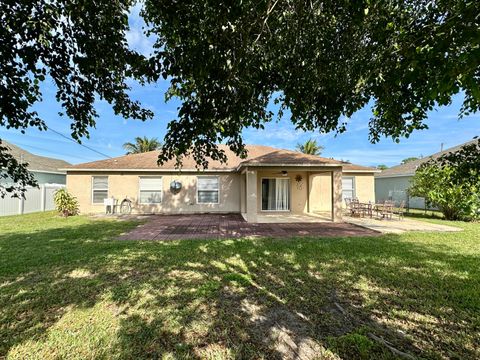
150 190
348 187
276 194
99 189
207 190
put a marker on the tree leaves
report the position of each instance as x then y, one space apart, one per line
318 61
321 61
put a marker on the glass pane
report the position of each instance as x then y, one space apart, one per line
205 197
268 194
347 183
275 194
151 183
99 196
207 183
347 194
100 182
150 197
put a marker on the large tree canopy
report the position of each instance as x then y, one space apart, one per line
319 61
80 45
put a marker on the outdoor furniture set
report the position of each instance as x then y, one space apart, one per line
385 210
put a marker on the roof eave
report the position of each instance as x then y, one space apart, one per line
146 170
394 175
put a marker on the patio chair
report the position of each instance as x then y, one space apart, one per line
387 209
354 207
400 211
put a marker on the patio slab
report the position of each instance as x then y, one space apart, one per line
395 226
228 226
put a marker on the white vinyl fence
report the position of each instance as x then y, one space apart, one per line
35 200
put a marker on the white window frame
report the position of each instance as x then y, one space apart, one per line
354 192
140 190
289 193
218 190
93 190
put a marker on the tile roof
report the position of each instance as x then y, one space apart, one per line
36 162
258 155
409 168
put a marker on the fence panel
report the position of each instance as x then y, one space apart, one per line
9 206
35 200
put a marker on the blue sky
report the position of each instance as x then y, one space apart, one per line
112 131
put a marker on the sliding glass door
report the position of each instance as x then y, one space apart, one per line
276 194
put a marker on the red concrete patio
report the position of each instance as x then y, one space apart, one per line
228 226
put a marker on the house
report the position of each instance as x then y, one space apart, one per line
46 170
392 183
48 175
268 181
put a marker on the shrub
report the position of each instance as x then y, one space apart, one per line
452 183
65 203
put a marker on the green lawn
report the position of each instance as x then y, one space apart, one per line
68 289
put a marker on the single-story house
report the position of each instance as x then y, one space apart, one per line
46 170
49 177
392 183
268 181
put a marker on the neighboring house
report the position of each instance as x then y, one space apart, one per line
268 181
392 183
45 169
48 175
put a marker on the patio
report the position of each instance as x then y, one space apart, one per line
398 226
228 226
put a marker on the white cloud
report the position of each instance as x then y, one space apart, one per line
136 37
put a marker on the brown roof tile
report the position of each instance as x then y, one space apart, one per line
258 155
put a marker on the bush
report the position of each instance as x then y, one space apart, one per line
452 183
65 203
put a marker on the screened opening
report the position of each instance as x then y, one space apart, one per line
150 190
207 189
99 189
276 194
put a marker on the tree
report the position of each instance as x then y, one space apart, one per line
78 46
310 147
142 145
409 159
226 62
14 173
382 167
451 182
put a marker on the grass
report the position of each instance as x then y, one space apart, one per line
68 289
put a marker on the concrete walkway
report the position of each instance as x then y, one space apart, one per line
395 226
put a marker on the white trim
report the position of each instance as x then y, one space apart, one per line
362 171
154 170
218 191
91 186
287 165
227 170
289 193
47 172
140 190
393 176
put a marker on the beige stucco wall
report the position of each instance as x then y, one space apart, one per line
364 186
121 185
238 192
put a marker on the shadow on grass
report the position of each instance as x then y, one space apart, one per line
241 298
